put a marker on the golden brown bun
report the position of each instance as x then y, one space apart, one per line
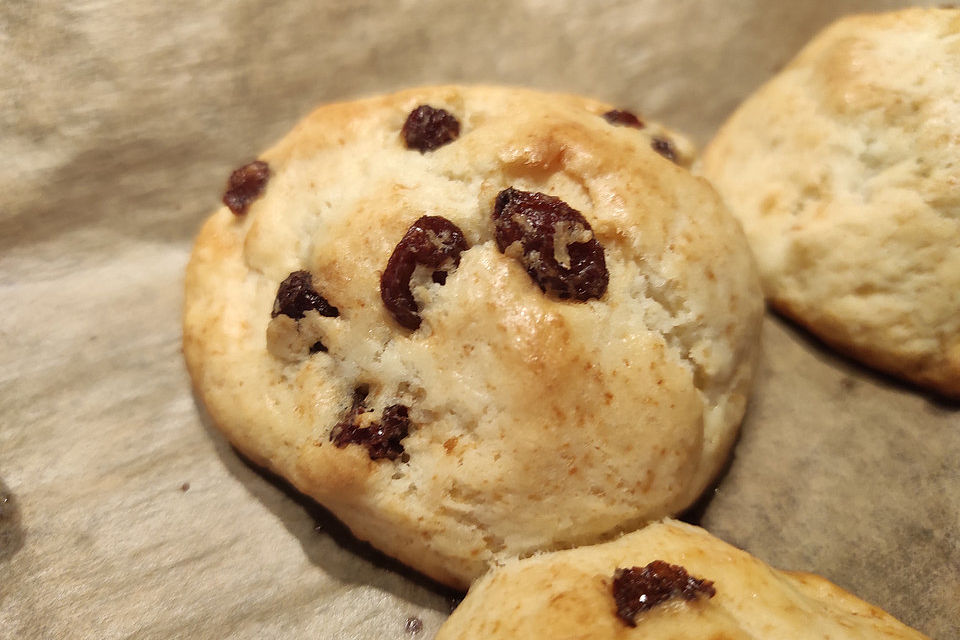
536 422
845 172
568 595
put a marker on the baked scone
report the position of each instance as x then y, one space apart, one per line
669 580
476 323
845 172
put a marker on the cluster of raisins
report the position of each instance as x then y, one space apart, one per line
661 145
382 439
425 129
295 297
637 589
556 242
553 242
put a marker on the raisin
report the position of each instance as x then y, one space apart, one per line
636 590
623 119
317 347
664 147
382 439
296 296
431 241
245 185
427 128
559 250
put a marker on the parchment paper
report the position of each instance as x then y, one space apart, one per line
122 514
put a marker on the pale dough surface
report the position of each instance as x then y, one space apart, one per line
538 423
845 172
568 595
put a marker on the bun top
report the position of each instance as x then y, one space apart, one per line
669 580
844 172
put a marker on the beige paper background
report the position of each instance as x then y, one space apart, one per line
119 122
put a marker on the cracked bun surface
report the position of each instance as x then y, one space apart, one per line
527 329
725 594
845 172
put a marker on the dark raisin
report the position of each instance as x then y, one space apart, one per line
427 128
245 185
393 427
623 119
431 241
296 296
413 626
382 439
317 347
665 148
559 250
636 590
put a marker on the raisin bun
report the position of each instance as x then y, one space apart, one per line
845 172
476 323
668 581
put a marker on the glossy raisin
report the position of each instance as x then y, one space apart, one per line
296 296
636 590
557 245
623 119
664 147
245 185
382 439
431 241
427 128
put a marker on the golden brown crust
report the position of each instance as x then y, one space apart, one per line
536 422
569 594
842 170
